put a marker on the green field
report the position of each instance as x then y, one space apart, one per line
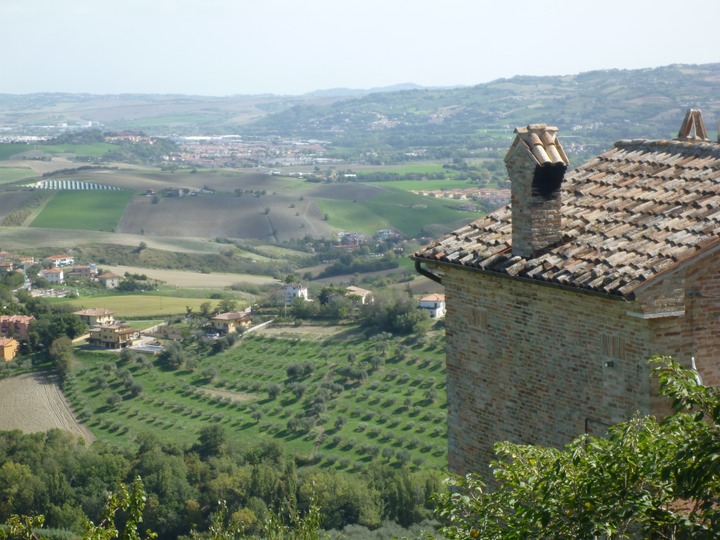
138 306
396 414
425 185
85 150
13 174
87 210
409 168
9 150
393 208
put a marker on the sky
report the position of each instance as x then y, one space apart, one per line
291 47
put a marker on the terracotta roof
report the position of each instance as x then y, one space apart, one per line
108 275
94 312
352 290
23 319
231 316
433 298
627 215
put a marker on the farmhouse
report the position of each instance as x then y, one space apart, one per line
8 348
15 325
434 304
362 296
85 271
293 291
113 336
96 316
228 323
556 302
109 280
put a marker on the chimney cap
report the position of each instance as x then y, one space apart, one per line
541 141
693 127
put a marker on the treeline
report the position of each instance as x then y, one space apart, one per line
392 312
56 475
351 264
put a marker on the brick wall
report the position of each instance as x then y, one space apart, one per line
537 365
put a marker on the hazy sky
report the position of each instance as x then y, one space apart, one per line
225 47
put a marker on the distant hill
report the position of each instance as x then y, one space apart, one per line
591 109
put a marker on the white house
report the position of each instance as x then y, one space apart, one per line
61 260
293 291
53 275
435 304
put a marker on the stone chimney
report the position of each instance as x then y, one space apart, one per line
536 165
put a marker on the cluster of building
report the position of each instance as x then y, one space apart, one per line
434 304
494 196
63 267
235 151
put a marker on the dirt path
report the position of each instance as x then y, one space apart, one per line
33 402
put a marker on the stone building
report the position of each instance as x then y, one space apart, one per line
556 301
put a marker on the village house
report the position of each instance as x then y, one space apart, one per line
295 290
96 316
230 322
434 304
109 280
60 260
113 336
55 276
85 272
15 325
8 348
22 262
361 296
556 302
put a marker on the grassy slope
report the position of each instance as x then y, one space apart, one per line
87 210
392 208
390 410
138 306
9 175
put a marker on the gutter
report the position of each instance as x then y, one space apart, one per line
427 273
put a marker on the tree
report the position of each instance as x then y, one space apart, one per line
226 305
273 390
211 441
644 479
61 353
173 355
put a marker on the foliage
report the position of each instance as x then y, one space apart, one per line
396 313
128 502
644 479
348 264
61 353
49 326
244 491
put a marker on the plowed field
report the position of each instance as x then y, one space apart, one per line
33 402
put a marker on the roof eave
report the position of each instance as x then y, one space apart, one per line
592 292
